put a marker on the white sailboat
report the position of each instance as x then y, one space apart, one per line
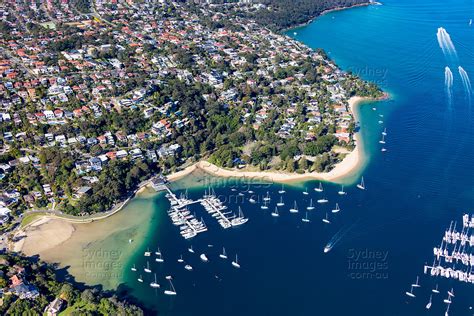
320 188
147 253
384 132
158 252
223 255
282 190
154 284
428 306
239 220
172 290
188 267
323 200
133 268
252 200
267 198
281 203
180 259
204 257
310 207
190 249
305 219
446 313
382 141
342 192
294 209
140 279
275 212
361 185
337 209
147 269
264 206
235 263
326 220
416 283
411 292
383 149
305 192
159 258
451 293
435 290
448 300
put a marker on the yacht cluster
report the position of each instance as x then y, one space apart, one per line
188 224
159 258
309 207
454 258
448 300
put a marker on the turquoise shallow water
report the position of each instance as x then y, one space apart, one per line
414 190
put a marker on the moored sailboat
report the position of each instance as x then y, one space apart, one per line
361 185
310 207
275 212
282 190
319 188
342 192
411 292
428 306
294 209
154 284
223 255
133 268
326 219
281 203
305 219
337 209
235 263
267 197
172 290
147 269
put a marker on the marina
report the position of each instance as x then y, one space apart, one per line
454 257
189 225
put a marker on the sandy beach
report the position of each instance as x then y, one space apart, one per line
349 165
43 234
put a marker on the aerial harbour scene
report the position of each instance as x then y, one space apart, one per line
257 157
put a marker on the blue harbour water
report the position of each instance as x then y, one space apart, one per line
414 190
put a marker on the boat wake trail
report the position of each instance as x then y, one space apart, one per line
448 84
338 236
446 44
466 83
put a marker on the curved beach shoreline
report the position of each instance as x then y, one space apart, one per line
347 167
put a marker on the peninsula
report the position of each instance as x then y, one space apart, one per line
95 105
